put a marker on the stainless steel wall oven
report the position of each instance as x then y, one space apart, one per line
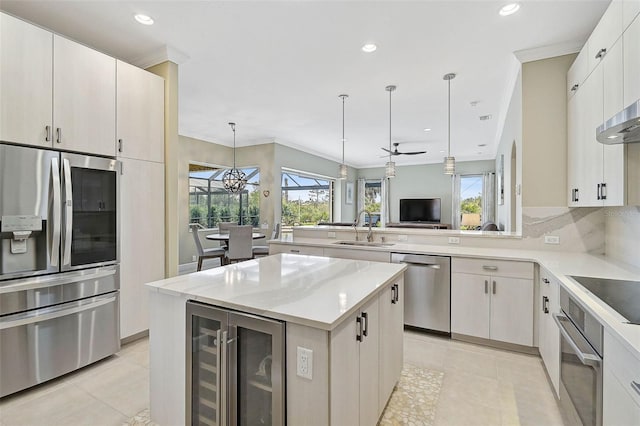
59 255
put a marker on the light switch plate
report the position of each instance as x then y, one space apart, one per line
551 239
454 240
305 363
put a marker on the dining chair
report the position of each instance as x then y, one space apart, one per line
264 250
240 243
203 253
223 227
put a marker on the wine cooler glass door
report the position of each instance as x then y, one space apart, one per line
206 330
257 379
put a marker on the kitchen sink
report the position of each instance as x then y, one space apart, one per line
363 244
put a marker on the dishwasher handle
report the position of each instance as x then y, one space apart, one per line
424 265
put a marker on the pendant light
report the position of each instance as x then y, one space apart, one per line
234 180
449 161
390 167
343 167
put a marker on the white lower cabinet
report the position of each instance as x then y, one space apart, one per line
141 241
354 368
548 332
492 300
621 384
391 340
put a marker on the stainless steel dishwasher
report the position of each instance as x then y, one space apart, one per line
427 286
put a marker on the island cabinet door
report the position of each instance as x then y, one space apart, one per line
369 364
345 372
391 336
206 329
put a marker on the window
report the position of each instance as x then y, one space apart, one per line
373 201
306 199
471 190
210 203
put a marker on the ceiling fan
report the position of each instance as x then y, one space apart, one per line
396 152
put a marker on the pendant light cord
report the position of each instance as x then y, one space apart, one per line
390 125
449 122
342 96
233 128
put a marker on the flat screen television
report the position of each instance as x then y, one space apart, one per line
420 210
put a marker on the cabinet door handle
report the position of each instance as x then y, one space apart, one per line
393 294
58 135
489 268
603 191
573 194
47 137
397 292
545 304
365 324
294 251
577 195
598 193
486 286
359 329
545 280
635 386
575 87
601 53
494 287
119 145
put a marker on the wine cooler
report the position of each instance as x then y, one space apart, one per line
235 368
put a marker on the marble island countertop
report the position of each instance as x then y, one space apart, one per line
314 291
561 264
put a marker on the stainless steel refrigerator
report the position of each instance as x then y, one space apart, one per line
59 254
235 368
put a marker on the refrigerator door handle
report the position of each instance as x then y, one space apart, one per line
55 210
68 212
223 379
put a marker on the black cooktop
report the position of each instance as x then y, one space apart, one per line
622 296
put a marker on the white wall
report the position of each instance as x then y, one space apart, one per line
424 181
511 135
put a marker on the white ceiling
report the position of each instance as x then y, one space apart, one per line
276 68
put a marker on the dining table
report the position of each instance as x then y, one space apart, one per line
224 237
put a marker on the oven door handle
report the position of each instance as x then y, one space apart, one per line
585 358
53 312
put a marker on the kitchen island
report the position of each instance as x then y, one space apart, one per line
342 324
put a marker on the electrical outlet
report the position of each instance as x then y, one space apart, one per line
194 258
454 240
551 239
402 237
305 363
331 234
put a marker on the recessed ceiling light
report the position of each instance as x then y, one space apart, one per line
427 130
509 9
143 19
369 47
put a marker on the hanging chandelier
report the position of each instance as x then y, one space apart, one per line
234 180
449 161
343 167
390 167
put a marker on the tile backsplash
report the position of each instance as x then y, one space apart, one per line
580 229
622 238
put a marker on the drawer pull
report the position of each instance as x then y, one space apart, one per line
545 280
575 87
486 286
294 251
601 53
489 268
636 387
494 287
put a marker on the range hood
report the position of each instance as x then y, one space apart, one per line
624 127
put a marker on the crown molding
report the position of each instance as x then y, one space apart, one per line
544 52
163 54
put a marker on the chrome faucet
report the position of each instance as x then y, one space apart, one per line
355 225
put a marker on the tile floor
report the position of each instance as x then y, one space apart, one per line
482 386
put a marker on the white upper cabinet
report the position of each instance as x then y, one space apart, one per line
631 48
84 98
578 72
608 30
630 11
140 106
26 82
